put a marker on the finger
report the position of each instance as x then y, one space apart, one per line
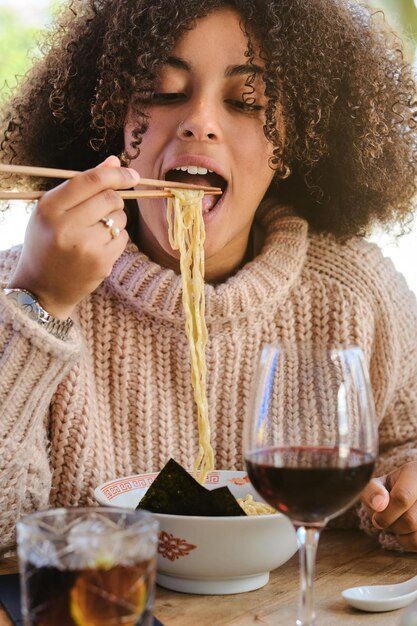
113 224
403 496
89 212
408 542
111 161
87 185
375 496
113 248
406 523
69 225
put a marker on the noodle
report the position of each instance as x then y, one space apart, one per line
186 233
253 507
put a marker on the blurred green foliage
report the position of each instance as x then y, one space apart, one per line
402 14
17 46
19 36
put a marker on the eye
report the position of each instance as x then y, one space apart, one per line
167 98
241 105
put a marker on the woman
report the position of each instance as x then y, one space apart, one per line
302 111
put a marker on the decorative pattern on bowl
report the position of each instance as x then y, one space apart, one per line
114 488
170 547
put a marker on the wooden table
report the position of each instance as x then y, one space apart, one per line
345 559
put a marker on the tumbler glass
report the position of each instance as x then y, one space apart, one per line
87 567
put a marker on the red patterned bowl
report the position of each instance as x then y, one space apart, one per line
211 555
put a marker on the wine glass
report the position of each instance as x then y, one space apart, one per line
310 441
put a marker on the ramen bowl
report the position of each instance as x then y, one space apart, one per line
211 555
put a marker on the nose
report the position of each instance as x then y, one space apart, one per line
201 123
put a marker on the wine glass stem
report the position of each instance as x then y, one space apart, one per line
308 538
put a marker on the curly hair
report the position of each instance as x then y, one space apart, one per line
333 67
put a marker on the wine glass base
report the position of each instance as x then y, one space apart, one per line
213 587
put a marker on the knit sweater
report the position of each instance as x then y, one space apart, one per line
116 398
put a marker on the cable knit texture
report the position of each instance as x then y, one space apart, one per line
116 398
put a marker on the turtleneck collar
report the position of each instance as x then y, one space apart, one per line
266 279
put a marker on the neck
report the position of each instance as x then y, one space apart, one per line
218 268
233 258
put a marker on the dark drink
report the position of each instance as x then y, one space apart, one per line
310 485
121 595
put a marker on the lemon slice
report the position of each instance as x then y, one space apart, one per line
111 597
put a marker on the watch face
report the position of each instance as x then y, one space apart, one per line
26 302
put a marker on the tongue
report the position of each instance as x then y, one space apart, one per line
209 202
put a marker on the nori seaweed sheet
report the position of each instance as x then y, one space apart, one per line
174 491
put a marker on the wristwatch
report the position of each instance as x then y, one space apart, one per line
26 301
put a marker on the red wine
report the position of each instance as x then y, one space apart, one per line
310 485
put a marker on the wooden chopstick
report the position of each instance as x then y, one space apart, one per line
48 172
126 195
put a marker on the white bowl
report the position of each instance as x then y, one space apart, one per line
211 555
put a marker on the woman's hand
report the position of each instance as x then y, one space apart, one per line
67 250
391 502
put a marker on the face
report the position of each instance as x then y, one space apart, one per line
201 131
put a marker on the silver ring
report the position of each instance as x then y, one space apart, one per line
109 223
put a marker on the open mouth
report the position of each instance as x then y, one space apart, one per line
196 175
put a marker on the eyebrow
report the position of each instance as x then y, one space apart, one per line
232 70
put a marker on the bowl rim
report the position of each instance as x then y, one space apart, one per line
220 518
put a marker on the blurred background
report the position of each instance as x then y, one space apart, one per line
22 23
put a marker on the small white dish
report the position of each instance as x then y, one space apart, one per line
378 598
211 555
